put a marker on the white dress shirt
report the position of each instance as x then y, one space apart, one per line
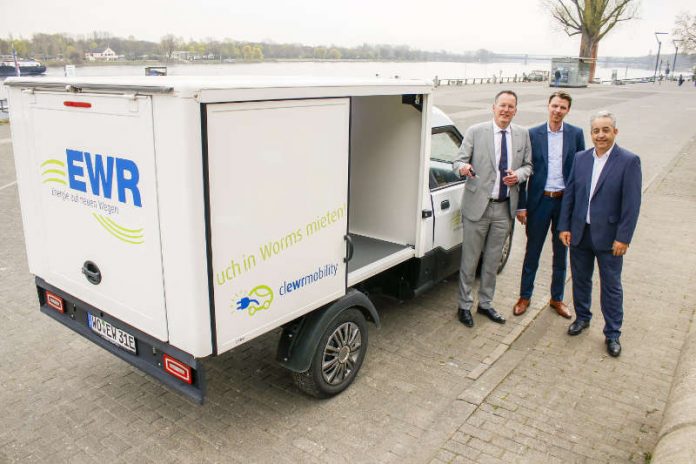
597 167
554 177
496 141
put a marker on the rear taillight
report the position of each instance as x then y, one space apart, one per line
77 104
178 369
54 301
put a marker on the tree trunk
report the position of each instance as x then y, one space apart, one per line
593 63
588 50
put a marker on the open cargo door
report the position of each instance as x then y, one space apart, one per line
277 189
92 221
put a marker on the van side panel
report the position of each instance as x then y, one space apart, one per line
28 195
182 220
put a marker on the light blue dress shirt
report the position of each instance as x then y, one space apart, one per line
554 177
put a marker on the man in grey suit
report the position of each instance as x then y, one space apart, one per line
495 156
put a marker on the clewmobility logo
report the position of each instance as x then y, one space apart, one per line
259 298
327 270
104 184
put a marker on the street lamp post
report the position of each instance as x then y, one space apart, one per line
674 62
657 60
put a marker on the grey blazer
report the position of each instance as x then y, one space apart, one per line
478 149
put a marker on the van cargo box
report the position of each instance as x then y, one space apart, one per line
184 216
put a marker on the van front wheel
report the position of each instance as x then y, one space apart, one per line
338 356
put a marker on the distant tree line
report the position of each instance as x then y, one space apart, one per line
71 49
68 49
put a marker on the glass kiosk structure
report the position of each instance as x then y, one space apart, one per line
569 72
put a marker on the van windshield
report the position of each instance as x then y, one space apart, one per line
445 147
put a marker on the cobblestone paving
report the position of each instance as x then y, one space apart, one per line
430 389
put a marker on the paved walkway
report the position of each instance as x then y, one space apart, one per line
430 389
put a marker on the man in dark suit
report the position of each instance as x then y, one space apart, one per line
598 217
554 144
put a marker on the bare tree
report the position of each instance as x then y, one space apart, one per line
592 20
168 44
685 31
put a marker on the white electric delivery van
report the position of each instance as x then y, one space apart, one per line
171 219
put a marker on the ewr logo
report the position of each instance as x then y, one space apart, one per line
101 173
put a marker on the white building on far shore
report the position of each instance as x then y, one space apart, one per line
107 55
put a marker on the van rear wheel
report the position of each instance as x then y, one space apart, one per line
338 356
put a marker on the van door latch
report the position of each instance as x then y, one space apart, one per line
427 213
92 272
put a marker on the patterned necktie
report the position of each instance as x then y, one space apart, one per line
502 166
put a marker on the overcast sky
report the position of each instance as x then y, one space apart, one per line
503 26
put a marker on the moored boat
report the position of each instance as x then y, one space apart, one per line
26 67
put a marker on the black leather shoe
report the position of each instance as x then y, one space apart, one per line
613 347
578 326
491 314
465 317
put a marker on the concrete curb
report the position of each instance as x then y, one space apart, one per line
676 441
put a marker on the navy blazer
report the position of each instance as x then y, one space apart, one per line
573 142
615 201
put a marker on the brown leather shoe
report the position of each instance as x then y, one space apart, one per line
521 306
561 308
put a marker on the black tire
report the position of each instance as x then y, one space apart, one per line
338 356
506 249
507 246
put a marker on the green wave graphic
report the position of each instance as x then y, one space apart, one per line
54 179
116 233
53 171
121 228
106 223
53 161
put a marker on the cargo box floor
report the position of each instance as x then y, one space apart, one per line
371 256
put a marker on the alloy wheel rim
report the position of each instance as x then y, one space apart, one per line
341 353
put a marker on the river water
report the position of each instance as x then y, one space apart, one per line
406 70
361 69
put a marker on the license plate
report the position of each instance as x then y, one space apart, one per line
110 333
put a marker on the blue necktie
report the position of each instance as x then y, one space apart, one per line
502 166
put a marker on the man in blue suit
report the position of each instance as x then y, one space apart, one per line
598 217
554 144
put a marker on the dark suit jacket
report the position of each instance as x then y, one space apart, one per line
615 202
573 142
